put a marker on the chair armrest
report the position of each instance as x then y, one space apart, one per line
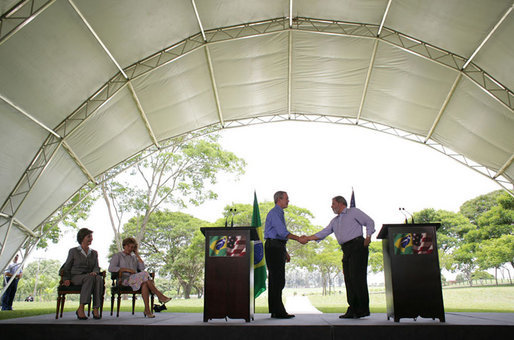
123 270
116 276
61 277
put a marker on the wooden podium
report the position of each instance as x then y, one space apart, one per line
411 269
228 279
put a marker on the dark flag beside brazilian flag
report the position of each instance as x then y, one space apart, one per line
259 271
352 200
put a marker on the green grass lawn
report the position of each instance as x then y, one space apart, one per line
467 299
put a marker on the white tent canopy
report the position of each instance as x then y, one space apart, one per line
86 84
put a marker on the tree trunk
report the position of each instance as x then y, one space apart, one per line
469 277
117 235
508 272
187 291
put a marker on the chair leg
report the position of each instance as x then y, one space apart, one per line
102 303
112 302
152 299
63 299
133 303
89 309
119 302
57 308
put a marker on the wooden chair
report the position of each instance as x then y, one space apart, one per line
118 289
63 290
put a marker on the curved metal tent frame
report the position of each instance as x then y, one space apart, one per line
373 68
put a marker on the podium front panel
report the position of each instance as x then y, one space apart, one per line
228 273
412 273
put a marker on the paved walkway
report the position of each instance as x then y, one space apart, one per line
300 305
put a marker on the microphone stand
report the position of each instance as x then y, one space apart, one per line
411 216
233 213
226 219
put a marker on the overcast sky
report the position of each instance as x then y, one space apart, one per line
314 162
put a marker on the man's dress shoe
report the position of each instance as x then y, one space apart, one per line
282 316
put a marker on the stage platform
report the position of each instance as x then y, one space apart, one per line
303 326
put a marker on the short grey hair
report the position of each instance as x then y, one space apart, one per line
340 199
278 195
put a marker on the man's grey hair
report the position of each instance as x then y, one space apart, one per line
340 199
278 195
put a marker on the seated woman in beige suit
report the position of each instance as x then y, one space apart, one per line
81 268
136 277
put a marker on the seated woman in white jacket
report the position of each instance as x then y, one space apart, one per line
137 277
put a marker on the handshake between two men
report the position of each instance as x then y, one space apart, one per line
304 239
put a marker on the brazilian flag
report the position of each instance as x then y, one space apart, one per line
218 246
403 243
259 262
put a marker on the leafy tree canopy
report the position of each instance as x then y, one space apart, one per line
41 275
473 208
179 175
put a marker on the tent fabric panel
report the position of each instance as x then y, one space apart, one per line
497 55
111 135
406 91
214 14
53 65
178 97
4 259
251 75
477 126
133 29
57 183
458 25
6 5
20 140
368 12
329 73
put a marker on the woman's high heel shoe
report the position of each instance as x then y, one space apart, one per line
165 300
80 317
150 316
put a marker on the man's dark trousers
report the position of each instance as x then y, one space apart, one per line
355 266
275 251
10 292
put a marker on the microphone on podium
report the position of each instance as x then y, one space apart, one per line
403 214
411 216
226 219
233 213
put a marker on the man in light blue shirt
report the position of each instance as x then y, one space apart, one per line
10 292
347 228
276 235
